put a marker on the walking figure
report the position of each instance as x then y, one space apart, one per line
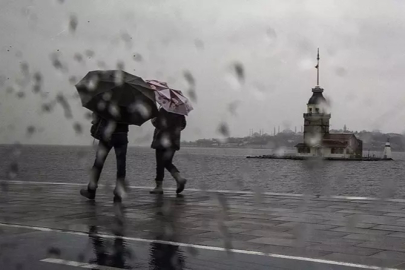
166 141
110 135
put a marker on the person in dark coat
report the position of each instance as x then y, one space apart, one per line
166 141
110 135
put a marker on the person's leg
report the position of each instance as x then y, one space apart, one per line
160 172
168 156
101 155
168 159
121 157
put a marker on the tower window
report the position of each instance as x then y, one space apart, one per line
310 110
317 110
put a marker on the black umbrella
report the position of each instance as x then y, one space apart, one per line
117 95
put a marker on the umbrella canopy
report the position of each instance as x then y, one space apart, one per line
171 100
117 95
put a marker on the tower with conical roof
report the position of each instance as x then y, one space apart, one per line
316 119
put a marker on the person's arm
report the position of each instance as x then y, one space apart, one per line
153 121
183 122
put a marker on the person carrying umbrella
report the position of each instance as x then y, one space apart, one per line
166 138
117 100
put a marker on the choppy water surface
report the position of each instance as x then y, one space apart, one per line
216 169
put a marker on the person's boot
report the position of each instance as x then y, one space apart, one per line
158 189
181 182
120 192
88 193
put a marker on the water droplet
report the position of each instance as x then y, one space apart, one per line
233 106
118 78
223 129
88 115
199 44
78 128
138 57
107 96
189 78
78 57
101 105
236 76
192 250
57 63
12 171
73 22
72 80
37 77
114 110
89 53
191 83
240 72
341 71
36 88
54 251
65 105
165 141
31 130
127 39
92 83
101 64
120 65
24 68
271 36
47 107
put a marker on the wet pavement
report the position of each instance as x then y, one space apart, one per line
49 226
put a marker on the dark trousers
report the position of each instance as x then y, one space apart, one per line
120 143
164 159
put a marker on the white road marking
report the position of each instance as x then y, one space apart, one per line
79 264
350 198
238 251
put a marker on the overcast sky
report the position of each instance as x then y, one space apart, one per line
362 61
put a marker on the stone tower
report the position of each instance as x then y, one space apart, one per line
316 119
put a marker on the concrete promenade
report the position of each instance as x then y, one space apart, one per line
51 227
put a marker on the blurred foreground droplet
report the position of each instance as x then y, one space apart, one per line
223 129
54 251
233 106
199 44
73 22
78 128
138 57
271 36
191 83
120 65
57 63
65 105
119 78
31 130
13 169
192 250
20 95
78 57
236 76
89 53
24 69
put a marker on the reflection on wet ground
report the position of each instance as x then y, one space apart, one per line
51 227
